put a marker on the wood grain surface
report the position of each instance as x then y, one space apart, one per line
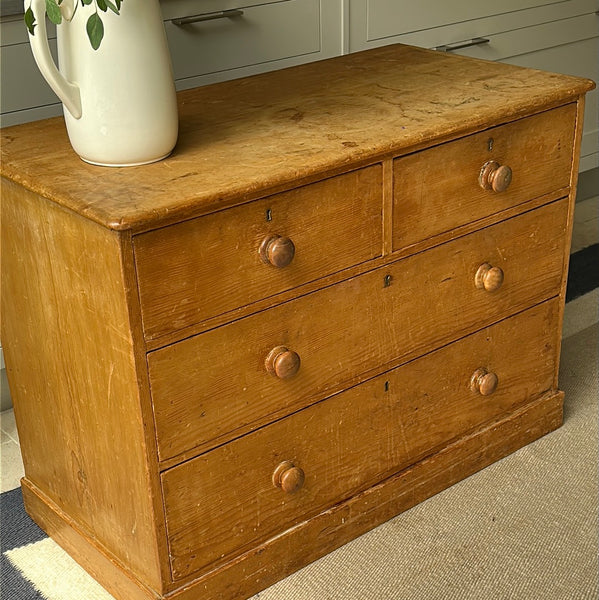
438 190
73 379
332 528
211 265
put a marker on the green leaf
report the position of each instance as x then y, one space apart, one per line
95 30
53 12
101 4
84 2
112 7
30 21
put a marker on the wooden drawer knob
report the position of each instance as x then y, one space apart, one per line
488 278
288 477
277 251
282 362
494 176
484 382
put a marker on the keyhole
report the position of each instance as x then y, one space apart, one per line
268 214
490 144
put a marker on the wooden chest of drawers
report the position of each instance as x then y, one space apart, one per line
341 294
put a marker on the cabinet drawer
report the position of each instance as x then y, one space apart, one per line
387 18
438 189
211 265
261 33
225 502
215 386
432 24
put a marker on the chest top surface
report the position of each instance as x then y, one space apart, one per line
243 139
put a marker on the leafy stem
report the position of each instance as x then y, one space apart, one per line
94 25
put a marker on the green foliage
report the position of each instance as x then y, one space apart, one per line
53 12
30 21
94 25
95 30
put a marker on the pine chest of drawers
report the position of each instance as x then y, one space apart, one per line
341 294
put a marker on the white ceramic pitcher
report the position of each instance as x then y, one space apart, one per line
119 101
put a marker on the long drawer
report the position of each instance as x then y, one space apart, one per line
441 188
227 381
201 268
244 492
387 18
254 33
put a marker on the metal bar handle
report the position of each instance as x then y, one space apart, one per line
223 14
477 41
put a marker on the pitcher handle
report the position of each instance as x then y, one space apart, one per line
68 92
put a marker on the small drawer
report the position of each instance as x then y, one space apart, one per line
241 494
442 188
224 382
208 266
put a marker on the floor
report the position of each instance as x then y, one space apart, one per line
580 313
586 224
11 465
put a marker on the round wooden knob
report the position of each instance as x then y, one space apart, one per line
282 362
277 251
494 176
488 278
288 477
484 382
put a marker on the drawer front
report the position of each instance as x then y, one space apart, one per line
376 22
199 269
225 502
387 18
438 189
216 385
261 33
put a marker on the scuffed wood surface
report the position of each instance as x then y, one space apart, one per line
211 265
296 547
71 368
245 138
437 190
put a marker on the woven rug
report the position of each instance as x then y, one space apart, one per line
524 528
583 272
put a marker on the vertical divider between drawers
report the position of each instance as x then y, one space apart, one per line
387 208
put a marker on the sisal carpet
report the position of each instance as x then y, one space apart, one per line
524 528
